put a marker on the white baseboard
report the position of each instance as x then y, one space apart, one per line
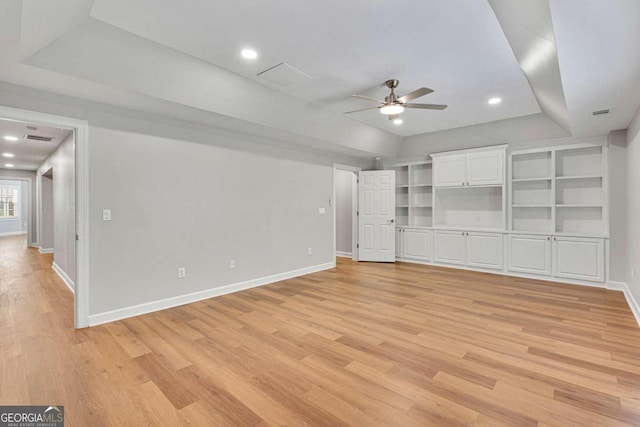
12 233
65 278
344 254
45 250
137 310
633 304
33 245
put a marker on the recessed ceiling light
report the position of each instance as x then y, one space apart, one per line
10 138
8 165
8 155
397 121
249 54
494 101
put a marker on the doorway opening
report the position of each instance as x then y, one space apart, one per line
49 154
345 196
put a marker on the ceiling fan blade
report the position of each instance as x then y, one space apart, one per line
363 109
367 98
415 94
426 106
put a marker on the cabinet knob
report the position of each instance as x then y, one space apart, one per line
548 238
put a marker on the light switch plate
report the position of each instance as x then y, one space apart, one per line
322 211
106 214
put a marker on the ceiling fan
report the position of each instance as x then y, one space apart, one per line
393 105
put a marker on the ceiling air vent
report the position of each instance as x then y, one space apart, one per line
600 112
38 138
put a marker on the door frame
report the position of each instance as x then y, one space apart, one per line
354 209
81 132
29 181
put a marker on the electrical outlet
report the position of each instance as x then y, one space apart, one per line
309 251
106 214
322 211
232 263
182 272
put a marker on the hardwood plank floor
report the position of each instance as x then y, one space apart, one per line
360 345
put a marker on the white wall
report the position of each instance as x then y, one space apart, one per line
63 191
12 226
633 204
46 213
12 173
181 204
344 210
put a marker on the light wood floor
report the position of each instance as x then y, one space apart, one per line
360 345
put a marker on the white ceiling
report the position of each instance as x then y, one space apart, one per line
29 154
175 56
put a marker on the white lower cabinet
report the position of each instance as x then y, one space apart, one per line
484 250
529 254
473 249
575 258
578 258
449 247
414 243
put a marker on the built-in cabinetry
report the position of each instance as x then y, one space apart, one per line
537 213
414 191
414 243
577 258
468 248
559 190
469 189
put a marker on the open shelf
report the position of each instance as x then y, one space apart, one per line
586 191
561 178
580 219
402 215
532 218
420 174
421 196
402 196
402 176
531 179
531 193
531 165
572 162
422 216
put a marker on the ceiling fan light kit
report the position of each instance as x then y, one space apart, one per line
392 109
394 105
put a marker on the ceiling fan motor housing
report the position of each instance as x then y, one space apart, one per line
392 97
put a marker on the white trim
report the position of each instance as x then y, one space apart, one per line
45 250
633 303
148 307
81 129
344 254
65 278
12 233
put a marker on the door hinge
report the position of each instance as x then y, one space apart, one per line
358 181
357 213
77 237
357 245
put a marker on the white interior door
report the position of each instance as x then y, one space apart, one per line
376 221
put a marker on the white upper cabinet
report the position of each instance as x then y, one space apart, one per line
485 168
469 167
450 171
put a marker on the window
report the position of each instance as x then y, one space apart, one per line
8 202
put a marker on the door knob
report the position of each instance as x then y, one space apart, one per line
391 221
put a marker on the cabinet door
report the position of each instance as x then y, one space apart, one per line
485 168
449 171
484 250
399 234
529 254
449 247
417 244
578 258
